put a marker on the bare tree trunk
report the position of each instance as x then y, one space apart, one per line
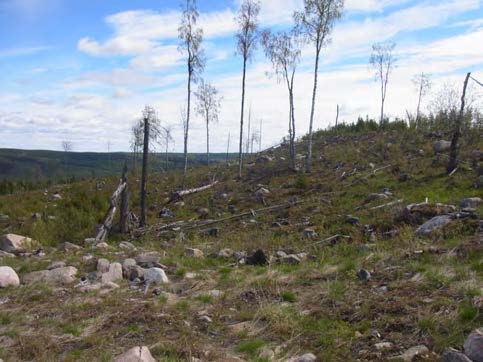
249 130
186 132
291 121
125 203
240 152
144 172
228 146
207 141
167 157
419 103
111 212
453 154
337 117
308 165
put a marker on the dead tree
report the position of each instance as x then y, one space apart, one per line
124 222
178 195
453 153
111 212
148 116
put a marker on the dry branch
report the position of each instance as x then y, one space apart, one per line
388 204
106 226
177 195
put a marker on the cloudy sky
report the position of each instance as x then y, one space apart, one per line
83 70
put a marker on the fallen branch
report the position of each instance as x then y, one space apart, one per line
388 204
107 225
332 238
178 195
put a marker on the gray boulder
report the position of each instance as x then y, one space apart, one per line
435 223
8 277
474 345
13 243
103 265
452 355
411 353
59 276
146 260
68 247
471 202
136 354
4 254
155 276
127 245
56 264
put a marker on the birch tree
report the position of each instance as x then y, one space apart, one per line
283 52
247 37
383 61
422 84
315 23
191 38
208 107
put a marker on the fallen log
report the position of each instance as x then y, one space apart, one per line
111 212
178 195
392 203
331 239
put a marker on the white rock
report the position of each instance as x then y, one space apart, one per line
103 265
114 273
412 353
136 354
194 253
127 245
4 254
155 276
383 345
59 276
8 277
12 243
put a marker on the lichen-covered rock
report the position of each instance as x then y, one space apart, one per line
59 276
155 276
136 354
8 277
435 223
113 274
13 243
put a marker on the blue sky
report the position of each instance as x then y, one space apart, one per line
83 70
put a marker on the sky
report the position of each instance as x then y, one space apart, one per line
83 71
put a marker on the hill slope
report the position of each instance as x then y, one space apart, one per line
348 219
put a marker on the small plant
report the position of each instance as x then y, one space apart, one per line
205 298
302 182
250 346
182 305
467 311
288 296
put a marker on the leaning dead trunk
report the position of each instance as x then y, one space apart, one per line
107 224
453 154
144 172
125 203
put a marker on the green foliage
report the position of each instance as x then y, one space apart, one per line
250 346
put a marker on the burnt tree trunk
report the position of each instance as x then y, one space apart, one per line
125 203
144 172
240 152
453 154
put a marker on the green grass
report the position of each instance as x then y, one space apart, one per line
250 346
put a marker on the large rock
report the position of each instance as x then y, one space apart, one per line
4 254
136 354
103 265
13 243
8 277
474 345
113 274
435 223
59 276
452 355
471 202
410 354
68 247
146 260
441 146
155 276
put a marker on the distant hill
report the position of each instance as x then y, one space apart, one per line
41 166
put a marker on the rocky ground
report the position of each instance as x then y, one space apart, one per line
376 255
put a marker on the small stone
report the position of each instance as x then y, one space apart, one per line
57 197
4 254
471 202
102 245
474 345
307 357
126 245
103 265
413 352
133 272
146 260
290 259
225 253
86 258
68 247
215 293
194 253
8 277
383 345
364 275
309 233
136 354
203 212
267 354
257 258
56 264
113 274
110 286
352 220
452 355
165 214
205 319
